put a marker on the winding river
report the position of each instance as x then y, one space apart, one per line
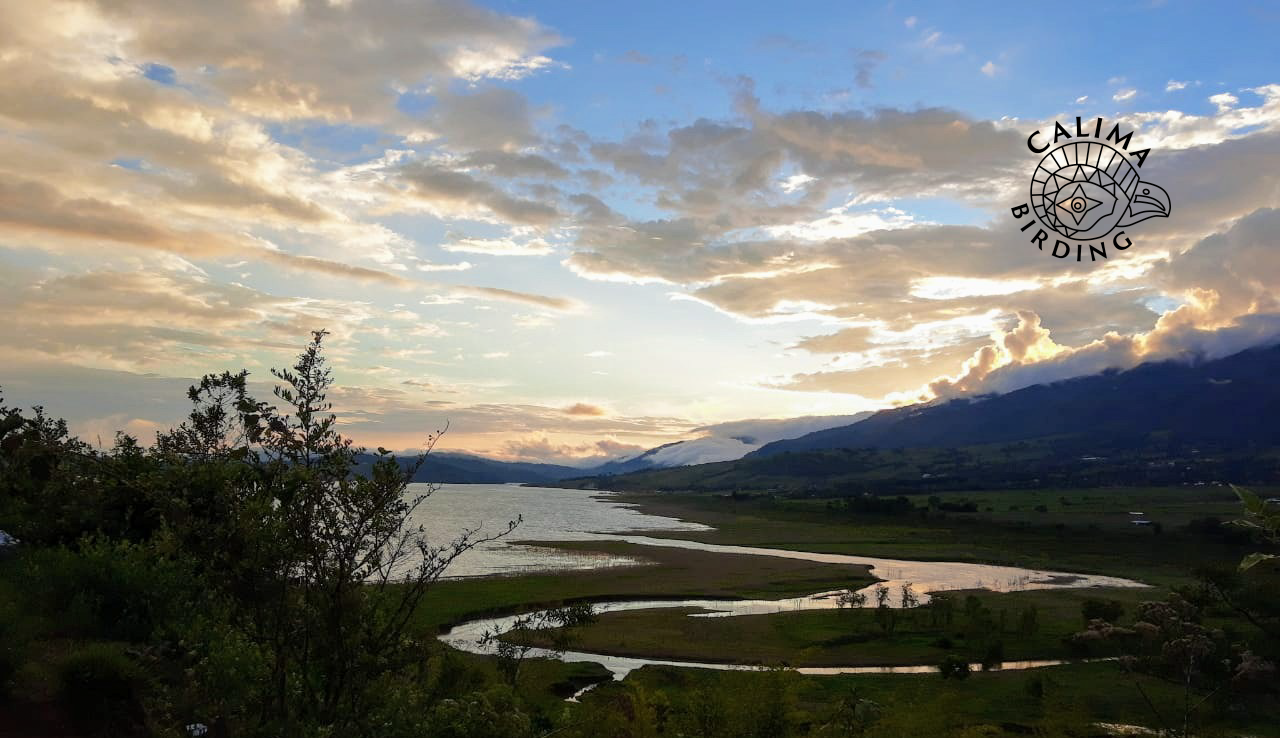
560 514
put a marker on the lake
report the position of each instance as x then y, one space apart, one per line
549 514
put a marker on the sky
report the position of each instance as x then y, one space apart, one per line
573 231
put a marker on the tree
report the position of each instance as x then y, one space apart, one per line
954 667
1263 517
1028 621
942 609
1096 609
885 616
852 715
548 630
851 598
909 597
353 566
321 569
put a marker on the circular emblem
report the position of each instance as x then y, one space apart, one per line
1084 190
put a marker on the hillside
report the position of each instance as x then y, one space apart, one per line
1159 423
1233 400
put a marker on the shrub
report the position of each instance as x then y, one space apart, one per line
954 667
12 645
99 687
994 656
10 661
110 590
1096 609
1035 687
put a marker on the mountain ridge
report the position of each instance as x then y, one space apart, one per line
1192 401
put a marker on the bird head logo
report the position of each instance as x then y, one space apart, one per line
1086 190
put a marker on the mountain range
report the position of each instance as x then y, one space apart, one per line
719 442
1234 400
1227 403
1161 423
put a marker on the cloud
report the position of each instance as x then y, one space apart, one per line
735 439
493 119
934 40
635 57
1227 283
33 207
540 448
1174 85
144 320
1125 94
991 69
508 246
321 60
518 165
1224 101
561 304
160 126
865 62
450 192
582 408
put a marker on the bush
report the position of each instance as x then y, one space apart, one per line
994 656
10 661
12 644
1096 609
954 667
108 590
99 686
1035 687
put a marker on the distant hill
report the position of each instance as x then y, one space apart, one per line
1159 423
1233 400
450 468
725 441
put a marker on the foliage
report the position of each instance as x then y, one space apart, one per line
1263 517
954 667
851 598
553 629
100 687
1096 609
269 587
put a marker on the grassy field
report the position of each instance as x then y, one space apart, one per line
852 637
1079 530
1057 701
668 573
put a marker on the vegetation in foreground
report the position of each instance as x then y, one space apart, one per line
238 579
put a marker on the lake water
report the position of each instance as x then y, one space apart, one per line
562 514
548 514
